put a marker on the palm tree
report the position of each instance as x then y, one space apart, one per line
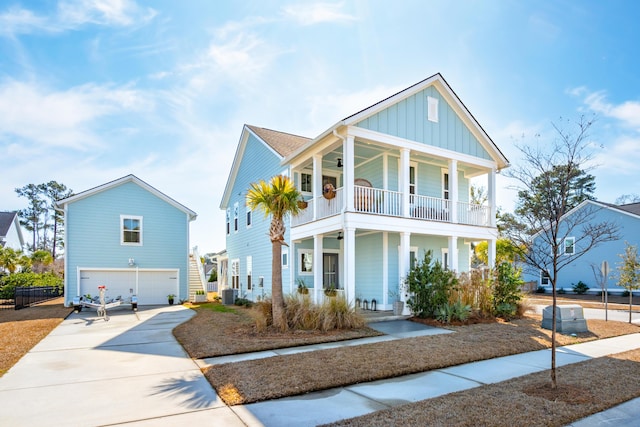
277 198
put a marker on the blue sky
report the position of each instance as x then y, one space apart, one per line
92 90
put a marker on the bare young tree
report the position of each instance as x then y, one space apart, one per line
552 181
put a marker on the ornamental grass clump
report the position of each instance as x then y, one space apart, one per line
303 314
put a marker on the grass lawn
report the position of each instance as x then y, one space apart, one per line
616 379
20 330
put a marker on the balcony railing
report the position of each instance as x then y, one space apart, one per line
384 202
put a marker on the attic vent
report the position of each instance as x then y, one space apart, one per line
432 109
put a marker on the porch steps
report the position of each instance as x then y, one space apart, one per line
195 282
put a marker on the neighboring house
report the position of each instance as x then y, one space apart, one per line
401 171
10 231
128 236
587 267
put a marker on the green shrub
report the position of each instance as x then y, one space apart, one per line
561 291
506 310
625 293
507 289
541 290
8 284
474 290
580 288
243 302
429 285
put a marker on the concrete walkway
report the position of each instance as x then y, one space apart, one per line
131 371
88 372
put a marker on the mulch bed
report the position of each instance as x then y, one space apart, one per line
263 379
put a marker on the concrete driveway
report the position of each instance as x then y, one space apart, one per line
88 372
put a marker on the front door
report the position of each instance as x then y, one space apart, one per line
330 271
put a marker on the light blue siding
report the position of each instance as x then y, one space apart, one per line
408 119
258 162
369 267
581 269
93 234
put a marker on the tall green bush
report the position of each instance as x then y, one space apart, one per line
429 286
8 284
507 289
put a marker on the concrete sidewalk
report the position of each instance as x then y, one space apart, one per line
131 371
346 402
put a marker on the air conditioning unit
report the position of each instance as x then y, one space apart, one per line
229 296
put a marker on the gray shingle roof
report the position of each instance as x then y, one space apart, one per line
6 219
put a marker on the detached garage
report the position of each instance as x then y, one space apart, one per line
129 237
151 286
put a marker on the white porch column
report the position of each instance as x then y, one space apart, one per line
404 263
385 268
453 191
317 183
317 265
403 179
453 253
292 265
350 265
491 196
491 253
348 172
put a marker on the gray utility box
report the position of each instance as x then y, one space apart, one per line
229 296
569 319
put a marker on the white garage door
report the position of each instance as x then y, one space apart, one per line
121 283
153 286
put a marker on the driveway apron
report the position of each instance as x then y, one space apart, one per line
90 372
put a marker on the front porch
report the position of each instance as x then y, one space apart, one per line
377 201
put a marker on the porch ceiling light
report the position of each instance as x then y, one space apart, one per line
339 162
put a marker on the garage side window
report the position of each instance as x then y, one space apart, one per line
130 230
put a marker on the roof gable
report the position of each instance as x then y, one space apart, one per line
6 219
126 179
281 144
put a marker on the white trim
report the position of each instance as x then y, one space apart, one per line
432 109
129 178
299 263
285 252
447 191
235 261
137 270
124 217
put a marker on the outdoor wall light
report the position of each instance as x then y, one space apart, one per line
132 262
340 236
339 162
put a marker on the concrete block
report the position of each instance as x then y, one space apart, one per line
569 318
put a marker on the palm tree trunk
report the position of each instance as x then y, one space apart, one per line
277 299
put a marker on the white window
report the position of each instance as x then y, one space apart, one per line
544 278
248 217
228 221
445 258
285 258
235 216
235 274
445 184
306 182
130 230
413 178
327 179
249 272
432 109
569 245
306 261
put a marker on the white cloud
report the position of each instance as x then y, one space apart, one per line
310 14
74 14
627 112
46 118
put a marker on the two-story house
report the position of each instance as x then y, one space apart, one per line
382 186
